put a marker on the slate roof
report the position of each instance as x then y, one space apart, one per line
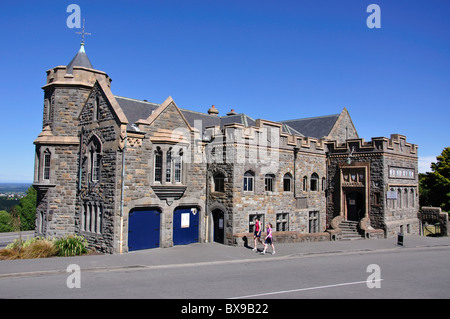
314 126
136 109
80 59
318 127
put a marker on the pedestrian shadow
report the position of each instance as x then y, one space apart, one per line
246 245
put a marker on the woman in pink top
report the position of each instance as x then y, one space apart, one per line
269 239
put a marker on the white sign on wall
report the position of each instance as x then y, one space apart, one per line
185 220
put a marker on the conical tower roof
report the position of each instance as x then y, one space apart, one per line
80 59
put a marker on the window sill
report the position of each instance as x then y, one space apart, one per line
43 185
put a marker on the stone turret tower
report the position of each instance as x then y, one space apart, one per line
57 146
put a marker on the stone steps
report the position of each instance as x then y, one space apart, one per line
349 230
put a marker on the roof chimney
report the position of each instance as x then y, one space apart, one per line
213 111
232 112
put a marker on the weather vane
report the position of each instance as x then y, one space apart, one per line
83 33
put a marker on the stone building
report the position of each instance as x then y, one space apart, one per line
130 174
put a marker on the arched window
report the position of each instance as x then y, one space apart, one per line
177 165
96 109
46 166
287 181
249 178
169 166
95 150
268 182
405 198
158 165
314 182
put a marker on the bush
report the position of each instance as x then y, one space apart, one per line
9 254
71 245
40 247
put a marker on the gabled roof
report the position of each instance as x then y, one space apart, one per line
135 109
314 126
140 110
317 127
80 59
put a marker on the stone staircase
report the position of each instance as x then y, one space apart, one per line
349 230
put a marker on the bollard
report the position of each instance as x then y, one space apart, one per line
400 239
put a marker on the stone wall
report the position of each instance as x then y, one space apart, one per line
393 168
248 151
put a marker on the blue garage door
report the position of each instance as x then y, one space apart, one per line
185 226
143 229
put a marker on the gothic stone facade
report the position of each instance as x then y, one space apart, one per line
130 174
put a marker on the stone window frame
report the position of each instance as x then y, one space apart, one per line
95 154
219 182
305 183
313 221
42 169
269 182
282 221
158 165
47 165
287 182
168 155
92 217
314 182
249 181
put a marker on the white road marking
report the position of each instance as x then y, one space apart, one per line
305 289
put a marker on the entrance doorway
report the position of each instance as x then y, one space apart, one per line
143 229
185 225
218 226
354 206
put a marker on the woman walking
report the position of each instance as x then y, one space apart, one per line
269 239
257 233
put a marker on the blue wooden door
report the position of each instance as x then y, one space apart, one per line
185 226
143 229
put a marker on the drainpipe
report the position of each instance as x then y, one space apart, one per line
122 194
296 149
80 160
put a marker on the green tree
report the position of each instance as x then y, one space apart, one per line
5 222
435 185
27 210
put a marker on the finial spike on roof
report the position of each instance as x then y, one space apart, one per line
83 33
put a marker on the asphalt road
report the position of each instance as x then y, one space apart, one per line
404 273
6 238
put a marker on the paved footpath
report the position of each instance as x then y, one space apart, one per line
206 253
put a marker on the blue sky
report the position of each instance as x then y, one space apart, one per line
274 60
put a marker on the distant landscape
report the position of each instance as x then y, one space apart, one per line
10 194
14 188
